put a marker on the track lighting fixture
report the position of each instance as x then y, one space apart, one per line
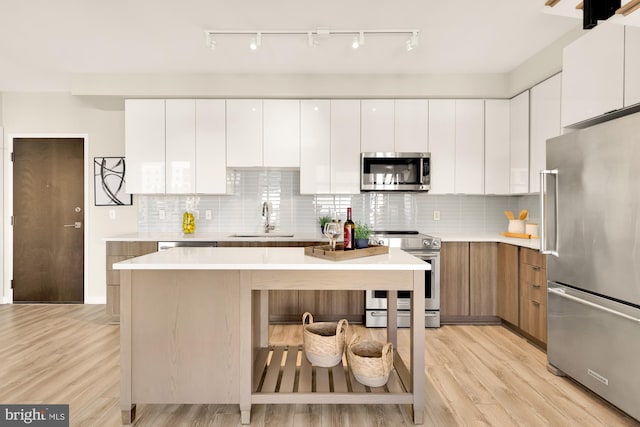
313 36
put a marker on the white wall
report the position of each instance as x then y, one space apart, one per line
294 85
542 65
102 119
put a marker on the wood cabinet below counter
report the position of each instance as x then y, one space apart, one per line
468 275
116 252
533 294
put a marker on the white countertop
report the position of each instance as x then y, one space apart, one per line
265 259
490 237
306 237
214 237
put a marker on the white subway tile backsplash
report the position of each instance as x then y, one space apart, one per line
241 211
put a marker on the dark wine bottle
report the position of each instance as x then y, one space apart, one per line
349 232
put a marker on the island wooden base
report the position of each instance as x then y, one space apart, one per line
201 336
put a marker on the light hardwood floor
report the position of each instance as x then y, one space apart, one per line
475 376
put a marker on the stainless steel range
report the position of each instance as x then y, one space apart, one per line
424 247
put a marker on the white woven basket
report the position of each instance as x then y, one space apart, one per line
370 361
323 342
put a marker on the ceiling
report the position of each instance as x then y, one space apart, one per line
43 42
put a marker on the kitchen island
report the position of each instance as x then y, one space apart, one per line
194 329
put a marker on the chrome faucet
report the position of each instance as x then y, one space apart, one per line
266 214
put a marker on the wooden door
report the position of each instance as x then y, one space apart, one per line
48 209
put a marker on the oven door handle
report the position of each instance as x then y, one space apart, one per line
427 255
401 314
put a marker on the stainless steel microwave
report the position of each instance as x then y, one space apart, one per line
395 172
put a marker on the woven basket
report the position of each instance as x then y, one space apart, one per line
370 361
323 342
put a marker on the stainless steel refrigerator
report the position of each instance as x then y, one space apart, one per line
591 233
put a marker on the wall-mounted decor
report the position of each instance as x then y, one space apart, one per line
109 179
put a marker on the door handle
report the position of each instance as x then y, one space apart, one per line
543 231
561 293
76 224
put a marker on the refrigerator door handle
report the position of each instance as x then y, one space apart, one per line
563 294
543 216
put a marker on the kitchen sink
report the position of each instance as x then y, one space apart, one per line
262 235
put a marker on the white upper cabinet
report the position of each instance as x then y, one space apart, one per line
519 136
411 125
442 145
593 74
210 146
281 133
315 147
632 66
545 124
180 125
377 125
496 146
469 150
144 146
345 146
244 133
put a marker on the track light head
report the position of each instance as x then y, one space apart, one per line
358 40
256 42
412 42
312 41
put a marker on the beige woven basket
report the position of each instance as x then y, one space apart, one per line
370 361
323 342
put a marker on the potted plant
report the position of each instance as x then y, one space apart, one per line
324 220
362 235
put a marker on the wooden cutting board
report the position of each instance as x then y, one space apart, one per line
516 235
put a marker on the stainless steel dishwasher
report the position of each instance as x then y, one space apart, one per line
186 244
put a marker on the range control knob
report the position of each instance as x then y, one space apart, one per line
436 244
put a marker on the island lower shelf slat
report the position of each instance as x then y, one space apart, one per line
282 374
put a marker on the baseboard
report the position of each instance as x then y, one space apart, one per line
95 300
469 320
